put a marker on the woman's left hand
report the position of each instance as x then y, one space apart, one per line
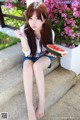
50 54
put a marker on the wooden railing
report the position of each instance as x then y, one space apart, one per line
2 22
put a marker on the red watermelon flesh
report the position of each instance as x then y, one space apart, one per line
55 49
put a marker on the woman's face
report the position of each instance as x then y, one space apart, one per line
36 23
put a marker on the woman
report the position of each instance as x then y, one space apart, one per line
35 35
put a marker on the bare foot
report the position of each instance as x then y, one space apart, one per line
31 115
40 111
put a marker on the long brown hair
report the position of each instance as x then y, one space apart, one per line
46 33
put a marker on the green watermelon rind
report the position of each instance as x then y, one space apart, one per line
57 53
54 52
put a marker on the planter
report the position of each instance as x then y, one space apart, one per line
72 60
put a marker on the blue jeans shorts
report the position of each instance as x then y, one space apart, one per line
34 59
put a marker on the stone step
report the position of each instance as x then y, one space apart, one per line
68 107
11 81
10 57
57 84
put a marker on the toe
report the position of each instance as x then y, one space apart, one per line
40 115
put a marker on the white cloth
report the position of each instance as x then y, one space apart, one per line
38 51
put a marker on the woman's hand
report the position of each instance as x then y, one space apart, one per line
23 38
50 54
19 34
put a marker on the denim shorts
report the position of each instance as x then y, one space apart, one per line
34 59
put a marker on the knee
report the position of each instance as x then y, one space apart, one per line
27 65
36 66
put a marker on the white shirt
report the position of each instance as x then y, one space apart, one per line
38 51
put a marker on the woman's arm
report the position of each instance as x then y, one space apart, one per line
24 42
23 39
53 36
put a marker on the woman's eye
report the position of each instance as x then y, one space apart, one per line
38 18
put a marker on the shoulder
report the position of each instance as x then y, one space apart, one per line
53 33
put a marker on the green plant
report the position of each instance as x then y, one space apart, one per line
6 40
14 1
65 20
16 12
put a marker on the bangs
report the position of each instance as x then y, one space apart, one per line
39 9
39 14
31 12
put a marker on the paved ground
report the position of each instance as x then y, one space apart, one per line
8 31
68 107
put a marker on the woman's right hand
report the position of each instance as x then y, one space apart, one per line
23 38
19 34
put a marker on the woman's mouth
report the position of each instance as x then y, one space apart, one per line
34 27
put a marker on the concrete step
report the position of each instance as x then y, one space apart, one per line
10 57
68 107
57 84
11 81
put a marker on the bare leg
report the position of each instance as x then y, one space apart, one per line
38 67
28 85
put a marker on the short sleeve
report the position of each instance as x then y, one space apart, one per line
53 36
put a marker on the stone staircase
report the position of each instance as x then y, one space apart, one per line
58 81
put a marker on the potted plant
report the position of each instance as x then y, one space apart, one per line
64 16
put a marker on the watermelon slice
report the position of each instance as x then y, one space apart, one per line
56 50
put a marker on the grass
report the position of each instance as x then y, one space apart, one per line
7 41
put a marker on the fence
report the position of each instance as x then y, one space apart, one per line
2 22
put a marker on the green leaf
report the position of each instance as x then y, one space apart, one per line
6 40
15 1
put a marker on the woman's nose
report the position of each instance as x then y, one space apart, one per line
34 21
